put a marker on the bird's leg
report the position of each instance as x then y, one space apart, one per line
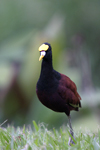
71 131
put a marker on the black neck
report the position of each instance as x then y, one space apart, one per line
49 78
46 68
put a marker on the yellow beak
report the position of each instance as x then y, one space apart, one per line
41 56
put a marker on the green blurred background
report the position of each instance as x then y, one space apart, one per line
72 27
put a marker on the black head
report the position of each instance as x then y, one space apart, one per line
45 51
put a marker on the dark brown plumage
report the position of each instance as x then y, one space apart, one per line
55 90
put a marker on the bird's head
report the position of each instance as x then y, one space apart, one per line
44 50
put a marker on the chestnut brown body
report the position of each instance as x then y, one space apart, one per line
58 93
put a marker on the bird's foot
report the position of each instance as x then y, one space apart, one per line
71 141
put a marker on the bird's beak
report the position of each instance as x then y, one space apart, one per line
42 54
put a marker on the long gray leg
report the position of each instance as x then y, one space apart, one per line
71 131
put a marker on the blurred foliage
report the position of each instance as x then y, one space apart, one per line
39 137
72 27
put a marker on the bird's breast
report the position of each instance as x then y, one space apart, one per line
51 100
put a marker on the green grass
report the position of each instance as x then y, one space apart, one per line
39 137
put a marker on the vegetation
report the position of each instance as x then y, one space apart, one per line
40 138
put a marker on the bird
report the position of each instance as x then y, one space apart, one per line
55 90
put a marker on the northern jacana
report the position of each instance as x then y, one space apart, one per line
55 90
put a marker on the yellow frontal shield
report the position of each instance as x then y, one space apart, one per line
43 47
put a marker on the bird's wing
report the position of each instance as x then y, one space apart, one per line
68 91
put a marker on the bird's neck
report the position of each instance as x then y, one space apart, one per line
46 68
47 81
